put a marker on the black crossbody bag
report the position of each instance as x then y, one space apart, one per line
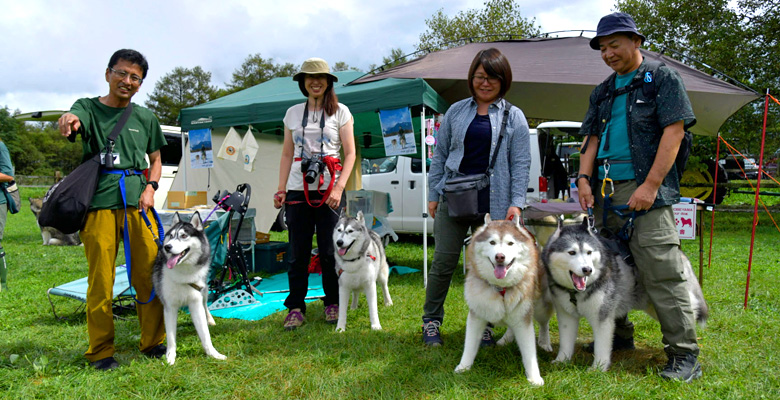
66 204
462 192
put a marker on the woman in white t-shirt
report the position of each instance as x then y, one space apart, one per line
312 178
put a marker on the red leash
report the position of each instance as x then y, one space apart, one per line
333 164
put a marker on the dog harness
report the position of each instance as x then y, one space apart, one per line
340 270
126 238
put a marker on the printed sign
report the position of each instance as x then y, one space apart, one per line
397 131
685 217
201 152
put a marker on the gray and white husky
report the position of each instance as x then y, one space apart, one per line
361 263
52 236
180 274
588 280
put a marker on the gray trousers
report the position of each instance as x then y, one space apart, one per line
448 234
655 246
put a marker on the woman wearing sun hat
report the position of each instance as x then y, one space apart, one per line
312 177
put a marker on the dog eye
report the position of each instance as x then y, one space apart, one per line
492 242
511 244
590 252
572 252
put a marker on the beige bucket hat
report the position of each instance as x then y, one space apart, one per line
315 66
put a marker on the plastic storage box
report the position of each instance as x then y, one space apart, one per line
271 257
369 201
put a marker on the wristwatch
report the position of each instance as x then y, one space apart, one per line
154 185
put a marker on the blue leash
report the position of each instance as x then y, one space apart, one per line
160 234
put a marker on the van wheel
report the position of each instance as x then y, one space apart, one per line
705 180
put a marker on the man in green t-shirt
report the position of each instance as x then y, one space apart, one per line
94 119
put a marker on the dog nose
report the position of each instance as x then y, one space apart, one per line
500 258
339 242
168 247
587 270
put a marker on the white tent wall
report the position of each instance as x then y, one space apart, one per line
226 175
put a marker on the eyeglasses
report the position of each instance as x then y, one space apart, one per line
480 79
123 74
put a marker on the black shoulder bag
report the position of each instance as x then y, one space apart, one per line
66 203
462 192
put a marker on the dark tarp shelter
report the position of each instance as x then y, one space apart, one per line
553 79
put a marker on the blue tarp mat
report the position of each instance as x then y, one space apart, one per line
273 302
78 288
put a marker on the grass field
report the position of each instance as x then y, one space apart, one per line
42 357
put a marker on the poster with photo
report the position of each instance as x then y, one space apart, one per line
397 131
201 151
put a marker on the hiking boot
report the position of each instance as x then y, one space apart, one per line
618 344
294 319
682 367
156 351
430 331
332 313
105 364
487 338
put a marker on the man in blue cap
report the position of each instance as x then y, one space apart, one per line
635 123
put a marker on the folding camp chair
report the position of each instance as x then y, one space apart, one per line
121 302
229 283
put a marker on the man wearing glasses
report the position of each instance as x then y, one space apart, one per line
95 118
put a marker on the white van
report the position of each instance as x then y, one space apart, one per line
402 178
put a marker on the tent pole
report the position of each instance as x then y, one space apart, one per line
714 199
755 202
186 160
423 156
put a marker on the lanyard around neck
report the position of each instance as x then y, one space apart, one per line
305 121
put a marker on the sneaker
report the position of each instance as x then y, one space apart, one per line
332 313
487 338
105 364
430 330
682 367
156 351
293 320
618 344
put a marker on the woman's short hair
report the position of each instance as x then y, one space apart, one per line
495 65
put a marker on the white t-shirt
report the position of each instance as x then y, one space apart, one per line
314 141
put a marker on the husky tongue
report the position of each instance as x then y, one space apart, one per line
172 261
342 251
579 282
499 271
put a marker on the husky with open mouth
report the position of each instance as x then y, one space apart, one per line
361 264
506 284
588 280
180 279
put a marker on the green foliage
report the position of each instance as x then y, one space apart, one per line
341 66
499 19
181 88
256 70
396 57
740 39
38 149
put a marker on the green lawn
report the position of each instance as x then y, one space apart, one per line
42 357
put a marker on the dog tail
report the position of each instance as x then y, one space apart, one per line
702 313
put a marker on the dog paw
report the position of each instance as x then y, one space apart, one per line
536 381
388 303
170 357
462 368
376 327
599 366
218 355
546 347
341 329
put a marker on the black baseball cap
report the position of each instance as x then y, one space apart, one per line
614 23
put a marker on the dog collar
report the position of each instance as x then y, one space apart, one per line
195 286
572 293
499 289
373 258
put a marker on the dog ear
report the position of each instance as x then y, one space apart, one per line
176 218
196 221
487 218
360 217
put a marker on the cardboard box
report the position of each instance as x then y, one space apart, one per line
271 257
179 200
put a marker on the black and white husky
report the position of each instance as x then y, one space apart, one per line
361 263
588 280
180 274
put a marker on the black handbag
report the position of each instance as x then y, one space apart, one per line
65 204
462 191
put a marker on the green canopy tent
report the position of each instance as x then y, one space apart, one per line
263 107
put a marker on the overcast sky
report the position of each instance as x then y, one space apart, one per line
55 52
